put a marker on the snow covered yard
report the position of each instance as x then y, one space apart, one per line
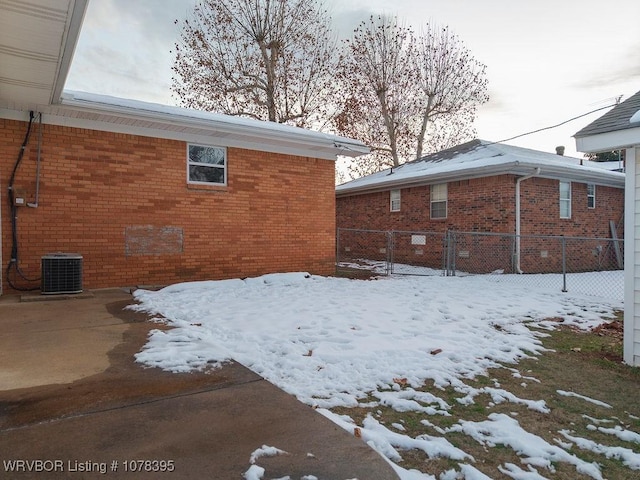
416 366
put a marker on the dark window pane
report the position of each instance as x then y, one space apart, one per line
438 209
206 174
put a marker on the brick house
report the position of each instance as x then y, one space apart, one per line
150 194
619 129
486 187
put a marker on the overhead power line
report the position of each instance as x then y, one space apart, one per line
558 124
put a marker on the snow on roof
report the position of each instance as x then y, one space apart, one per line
87 110
191 114
635 118
480 158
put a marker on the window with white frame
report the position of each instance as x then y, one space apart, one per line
591 195
394 200
439 200
206 164
565 199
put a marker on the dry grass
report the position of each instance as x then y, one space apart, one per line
586 363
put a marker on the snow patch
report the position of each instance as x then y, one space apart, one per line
626 455
582 397
265 451
338 342
501 429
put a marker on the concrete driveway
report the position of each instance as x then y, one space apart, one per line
74 404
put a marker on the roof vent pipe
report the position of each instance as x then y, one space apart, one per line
560 150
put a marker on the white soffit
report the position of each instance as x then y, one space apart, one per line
37 40
607 141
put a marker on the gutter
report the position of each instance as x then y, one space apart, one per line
167 118
518 181
575 173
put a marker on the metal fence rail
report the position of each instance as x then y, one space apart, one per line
369 249
584 263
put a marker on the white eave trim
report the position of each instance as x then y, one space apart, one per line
191 125
69 42
604 177
157 121
614 140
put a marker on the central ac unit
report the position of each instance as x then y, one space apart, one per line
61 273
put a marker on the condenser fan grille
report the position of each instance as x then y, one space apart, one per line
61 273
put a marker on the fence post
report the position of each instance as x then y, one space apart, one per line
515 253
445 249
454 245
564 264
337 247
451 254
389 266
446 253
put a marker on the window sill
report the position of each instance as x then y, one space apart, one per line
208 188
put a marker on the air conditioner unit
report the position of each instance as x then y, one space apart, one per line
61 273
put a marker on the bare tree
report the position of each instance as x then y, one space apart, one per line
266 59
404 94
452 84
375 79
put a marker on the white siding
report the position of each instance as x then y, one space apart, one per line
632 260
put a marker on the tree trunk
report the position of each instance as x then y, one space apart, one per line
388 122
423 128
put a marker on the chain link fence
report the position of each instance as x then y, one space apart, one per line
590 265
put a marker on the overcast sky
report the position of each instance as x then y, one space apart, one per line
547 60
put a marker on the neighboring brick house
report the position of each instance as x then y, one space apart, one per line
619 129
148 194
481 186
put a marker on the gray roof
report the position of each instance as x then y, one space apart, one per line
615 119
480 158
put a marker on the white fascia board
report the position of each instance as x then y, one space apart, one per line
603 142
69 41
577 174
199 138
167 122
205 135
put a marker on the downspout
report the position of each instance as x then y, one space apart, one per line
518 181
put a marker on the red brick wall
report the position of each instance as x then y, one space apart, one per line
275 214
540 209
488 205
481 204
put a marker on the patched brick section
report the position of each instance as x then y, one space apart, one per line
276 213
